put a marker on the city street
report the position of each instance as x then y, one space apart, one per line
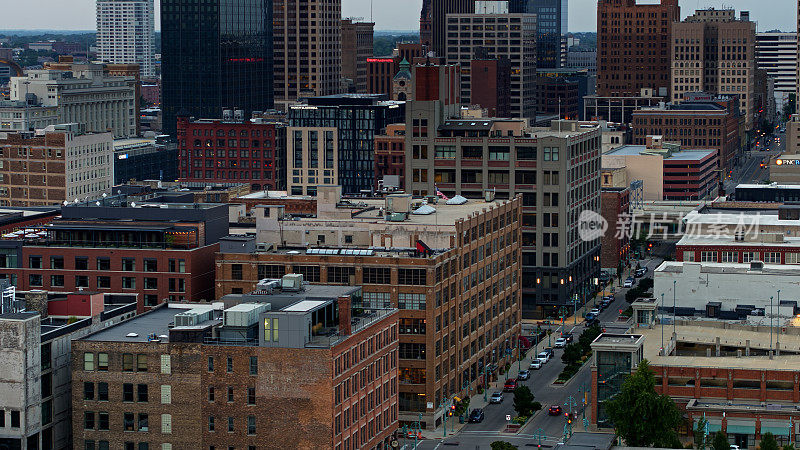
477 436
750 170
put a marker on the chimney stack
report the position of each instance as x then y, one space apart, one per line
36 300
344 315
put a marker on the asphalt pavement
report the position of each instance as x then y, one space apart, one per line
750 170
478 436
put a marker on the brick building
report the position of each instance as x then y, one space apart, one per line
390 155
615 244
380 72
711 370
57 164
459 306
699 122
490 85
560 93
199 377
233 150
633 42
159 251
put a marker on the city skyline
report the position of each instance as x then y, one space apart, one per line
80 14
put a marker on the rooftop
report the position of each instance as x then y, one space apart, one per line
154 322
731 268
744 217
634 150
728 240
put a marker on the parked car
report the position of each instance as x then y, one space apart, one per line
510 385
476 416
536 364
543 357
554 410
560 343
497 397
549 352
609 298
593 322
595 311
523 375
628 282
568 337
590 316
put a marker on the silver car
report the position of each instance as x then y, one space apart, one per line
496 397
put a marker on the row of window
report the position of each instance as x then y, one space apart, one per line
229 366
129 361
231 424
104 282
746 257
127 264
250 395
101 421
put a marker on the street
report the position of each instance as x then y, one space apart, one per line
477 436
750 170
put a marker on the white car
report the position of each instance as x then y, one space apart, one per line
496 397
543 357
560 343
535 364
628 283
595 311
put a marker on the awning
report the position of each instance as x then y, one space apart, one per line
776 427
737 426
714 425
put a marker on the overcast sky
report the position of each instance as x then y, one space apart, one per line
388 14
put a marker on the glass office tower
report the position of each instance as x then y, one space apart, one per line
551 26
216 54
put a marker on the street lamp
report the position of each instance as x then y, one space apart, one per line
778 335
663 349
445 410
674 313
770 322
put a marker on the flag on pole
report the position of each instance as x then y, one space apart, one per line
440 194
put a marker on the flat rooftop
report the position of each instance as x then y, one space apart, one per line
731 268
706 332
730 241
745 217
309 298
634 150
768 186
282 195
155 321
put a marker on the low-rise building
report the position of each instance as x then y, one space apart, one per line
59 163
145 159
201 376
668 171
37 378
20 116
390 158
453 271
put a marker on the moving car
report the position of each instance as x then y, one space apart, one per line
568 337
523 375
560 343
595 311
628 282
497 397
543 357
590 316
535 364
476 416
554 410
549 352
510 385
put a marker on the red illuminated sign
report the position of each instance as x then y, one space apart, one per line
245 59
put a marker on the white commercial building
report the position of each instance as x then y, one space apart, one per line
777 54
732 284
18 116
84 95
126 33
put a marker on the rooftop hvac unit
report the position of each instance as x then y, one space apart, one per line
267 285
192 317
243 315
263 246
292 282
396 217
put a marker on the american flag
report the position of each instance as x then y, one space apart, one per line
439 193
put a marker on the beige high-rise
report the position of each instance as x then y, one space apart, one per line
307 51
714 52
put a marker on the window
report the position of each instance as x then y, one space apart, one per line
102 391
230 394
414 277
151 283
103 264
35 279
128 283
210 423
88 420
81 263
104 282
150 265
337 274
88 390
708 256
88 361
271 329
127 392
236 271
229 365
127 421
689 256
211 393
748 256
730 257
102 421
251 424
166 423
498 153
376 300
88 445
254 365
526 153
166 364
772 257
56 262
230 424
127 362
376 275
129 264
210 363
445 152
56 280
141 393
251 396
81 281
144 446
141 363
411 301
143 422
35 262
792 257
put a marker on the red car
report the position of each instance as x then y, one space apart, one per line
510 385
554 410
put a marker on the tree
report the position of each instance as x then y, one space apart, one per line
523 401
700 433
768 442
503 445
641 416
572 353
788 447
721 442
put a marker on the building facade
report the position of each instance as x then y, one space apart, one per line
777 54
490 86
216 59
439 9
57 164
83 95
337 135
232 150
356 48
126 33
21 116
551 28
704 61
308 48
519 31
390 157
615 207
145 159
633 43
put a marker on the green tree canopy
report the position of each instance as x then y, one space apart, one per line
700 433
523 401
768 442
503 445
720 442
641 416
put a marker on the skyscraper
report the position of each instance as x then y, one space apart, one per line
125 33
551 26
633 46
356 49
215 56
438 17
308 48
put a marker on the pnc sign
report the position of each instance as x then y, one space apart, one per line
787 162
